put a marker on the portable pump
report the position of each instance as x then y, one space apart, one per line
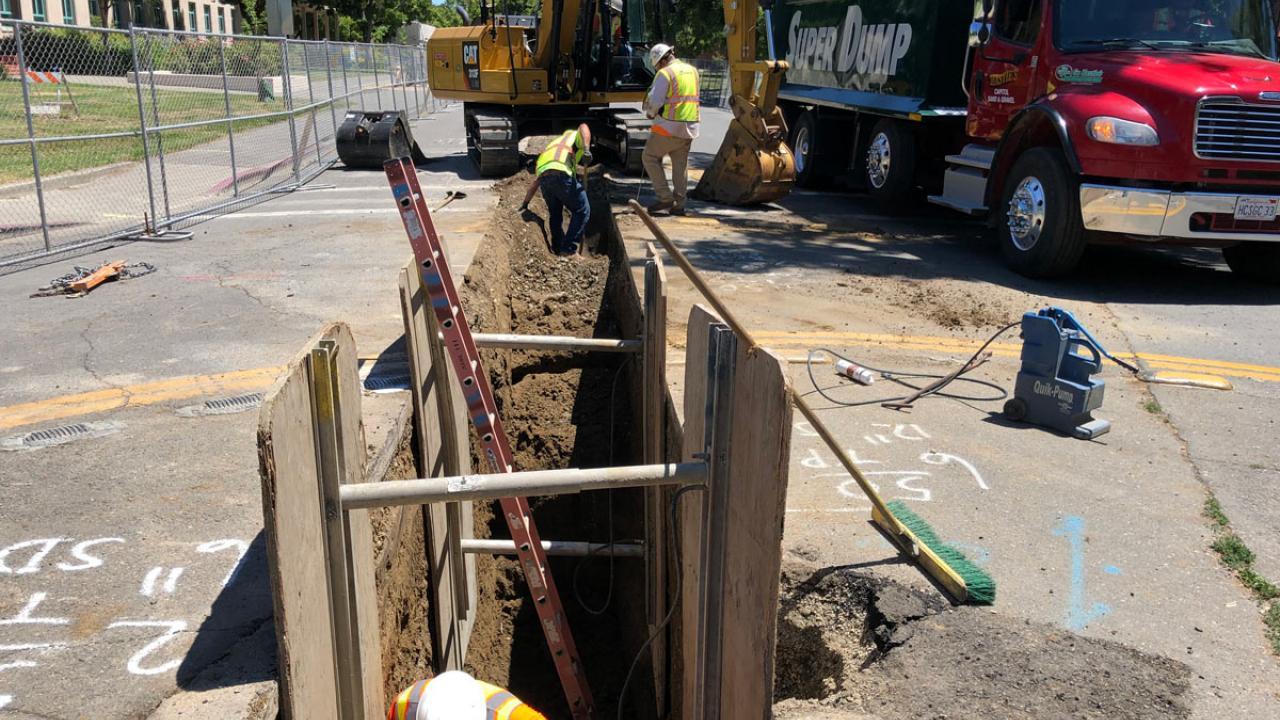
1054 388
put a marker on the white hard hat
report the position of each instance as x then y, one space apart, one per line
657 52
453 695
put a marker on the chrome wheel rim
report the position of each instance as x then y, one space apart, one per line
1026 213
878 157
803 141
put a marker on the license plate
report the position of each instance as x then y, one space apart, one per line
1263 209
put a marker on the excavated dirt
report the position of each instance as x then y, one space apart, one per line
850 646
559 410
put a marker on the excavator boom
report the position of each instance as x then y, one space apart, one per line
754 164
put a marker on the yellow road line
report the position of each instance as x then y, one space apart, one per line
943 344
151 393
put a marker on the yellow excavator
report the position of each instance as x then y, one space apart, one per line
584 61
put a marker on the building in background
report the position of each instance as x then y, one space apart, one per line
204 16
311 22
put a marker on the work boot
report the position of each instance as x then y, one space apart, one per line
659 206
677 209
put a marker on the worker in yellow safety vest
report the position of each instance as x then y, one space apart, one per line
557 174
673 105
456 695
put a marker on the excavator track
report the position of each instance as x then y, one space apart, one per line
493 143
636 126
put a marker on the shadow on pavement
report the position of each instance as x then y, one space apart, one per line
236 643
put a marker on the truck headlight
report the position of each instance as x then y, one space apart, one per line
1121 132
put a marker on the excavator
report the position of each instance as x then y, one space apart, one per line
580 61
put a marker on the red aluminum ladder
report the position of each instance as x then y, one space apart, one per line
483 412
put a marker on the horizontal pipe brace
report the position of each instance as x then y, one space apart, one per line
555 342
460 488
563 548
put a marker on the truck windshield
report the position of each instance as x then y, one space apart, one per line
1243 27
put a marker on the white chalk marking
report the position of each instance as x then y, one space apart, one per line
172 628
814 461
87 561
24 615
18 664
825 510
877 439
171 582
148 588
937 458
34 562
5 700
924 494
214 546
805 429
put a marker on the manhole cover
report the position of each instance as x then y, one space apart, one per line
58 435
222 406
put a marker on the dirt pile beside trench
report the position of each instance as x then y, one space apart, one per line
852 646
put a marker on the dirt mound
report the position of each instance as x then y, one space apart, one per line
850 646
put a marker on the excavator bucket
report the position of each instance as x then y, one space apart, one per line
754 164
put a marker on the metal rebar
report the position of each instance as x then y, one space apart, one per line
231 136
517 484
31 134
142 122
555 342
562 548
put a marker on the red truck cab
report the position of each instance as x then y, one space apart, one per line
1122 120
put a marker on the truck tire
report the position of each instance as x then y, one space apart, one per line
890 164
1041 234
804 141
1255 260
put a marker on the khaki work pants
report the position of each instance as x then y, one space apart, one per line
658 147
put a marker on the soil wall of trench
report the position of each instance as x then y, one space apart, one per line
560 410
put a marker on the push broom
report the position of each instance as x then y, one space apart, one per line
909 533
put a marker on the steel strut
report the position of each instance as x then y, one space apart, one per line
483 411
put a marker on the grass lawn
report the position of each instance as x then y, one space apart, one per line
105 109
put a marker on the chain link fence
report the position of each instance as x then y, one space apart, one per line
106 134
713 82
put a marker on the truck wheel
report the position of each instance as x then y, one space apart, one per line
803 144
1041 234
891 164
1255 260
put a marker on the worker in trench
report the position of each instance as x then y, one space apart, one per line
674 106
455 695
556 172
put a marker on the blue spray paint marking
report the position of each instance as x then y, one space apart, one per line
1072 527
1112 570
978 554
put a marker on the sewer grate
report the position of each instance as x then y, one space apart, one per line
58 435
223 405
386 383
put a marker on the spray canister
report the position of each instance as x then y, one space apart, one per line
855 372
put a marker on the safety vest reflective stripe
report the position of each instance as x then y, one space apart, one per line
682 101
405 706
500 704
560 154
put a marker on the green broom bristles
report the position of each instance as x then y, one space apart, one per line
980 586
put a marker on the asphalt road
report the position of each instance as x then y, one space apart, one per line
1104 537
132 560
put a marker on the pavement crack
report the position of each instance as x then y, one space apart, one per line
87 364
224 270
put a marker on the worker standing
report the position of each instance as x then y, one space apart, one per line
556 172
455 695
673 105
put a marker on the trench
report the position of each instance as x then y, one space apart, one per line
561 410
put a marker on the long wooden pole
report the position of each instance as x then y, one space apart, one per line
903 538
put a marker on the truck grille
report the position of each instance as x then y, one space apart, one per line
1230 129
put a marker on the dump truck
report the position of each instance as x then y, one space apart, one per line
1061 122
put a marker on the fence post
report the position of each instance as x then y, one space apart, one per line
377 83
311 100
231 136
155 112
288 106
417 83
333 99
31 134
345 52
404 78
142 123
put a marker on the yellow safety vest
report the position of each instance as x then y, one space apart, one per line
500 704
562 154
682 103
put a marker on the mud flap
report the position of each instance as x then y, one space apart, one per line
754 164
367 139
